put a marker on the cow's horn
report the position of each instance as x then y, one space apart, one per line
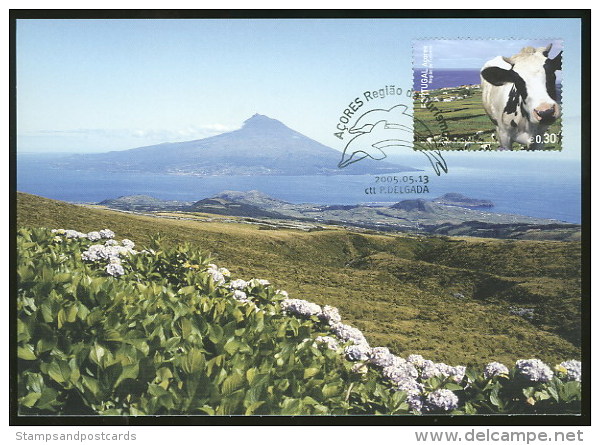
547 49
508 60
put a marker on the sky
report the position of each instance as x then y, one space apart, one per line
102 85
473 53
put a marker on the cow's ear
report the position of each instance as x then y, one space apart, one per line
556 63
498 76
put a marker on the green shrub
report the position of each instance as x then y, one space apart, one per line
168 334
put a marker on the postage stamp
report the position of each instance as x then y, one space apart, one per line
494 94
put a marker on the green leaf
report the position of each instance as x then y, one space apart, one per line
232 383
129 372
47 400
30 399
252 408
193 362
72 314
330 390
291 407
26 352
97 352
59 371
309 372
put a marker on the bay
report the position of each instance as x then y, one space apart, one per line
540 188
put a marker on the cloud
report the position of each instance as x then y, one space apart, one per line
158 135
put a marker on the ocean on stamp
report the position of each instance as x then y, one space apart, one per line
495 94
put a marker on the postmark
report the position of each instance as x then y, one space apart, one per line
489 94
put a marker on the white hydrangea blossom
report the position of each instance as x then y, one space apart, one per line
493 369
100 252
74 234
216 276
240 295
111 242
534 370
115 269
357 352
107 233
128 243
399 373
238 284
441 399
348 333
416 359
94 236
381 357
282 292
300 307
413 391
225 272
430 369
573 368
330 315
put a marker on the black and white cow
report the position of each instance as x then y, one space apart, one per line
519 95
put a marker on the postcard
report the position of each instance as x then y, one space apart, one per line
245 219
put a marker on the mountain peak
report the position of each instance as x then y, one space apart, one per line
262 122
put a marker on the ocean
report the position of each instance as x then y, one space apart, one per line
542 188
443 78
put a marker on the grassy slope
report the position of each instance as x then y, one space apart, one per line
465 117
397 289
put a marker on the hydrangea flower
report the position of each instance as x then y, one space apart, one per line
115 269
457 373
431 369
240 295
128 243
107 233
534 370
217 276
381 357
357 352
416 359
330 315
572 369
330 342
94 236
282 292
397 374
300 307
99 252
493 369
111 242
441 400
413 391
348 333
74 234
238 284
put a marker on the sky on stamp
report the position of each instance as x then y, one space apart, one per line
101 85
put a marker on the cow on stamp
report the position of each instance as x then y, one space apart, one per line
519 95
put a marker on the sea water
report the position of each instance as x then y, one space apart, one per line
543 188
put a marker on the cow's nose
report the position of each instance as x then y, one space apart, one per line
546 112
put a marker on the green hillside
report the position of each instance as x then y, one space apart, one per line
465 117
449 299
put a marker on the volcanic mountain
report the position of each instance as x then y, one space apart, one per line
263 146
